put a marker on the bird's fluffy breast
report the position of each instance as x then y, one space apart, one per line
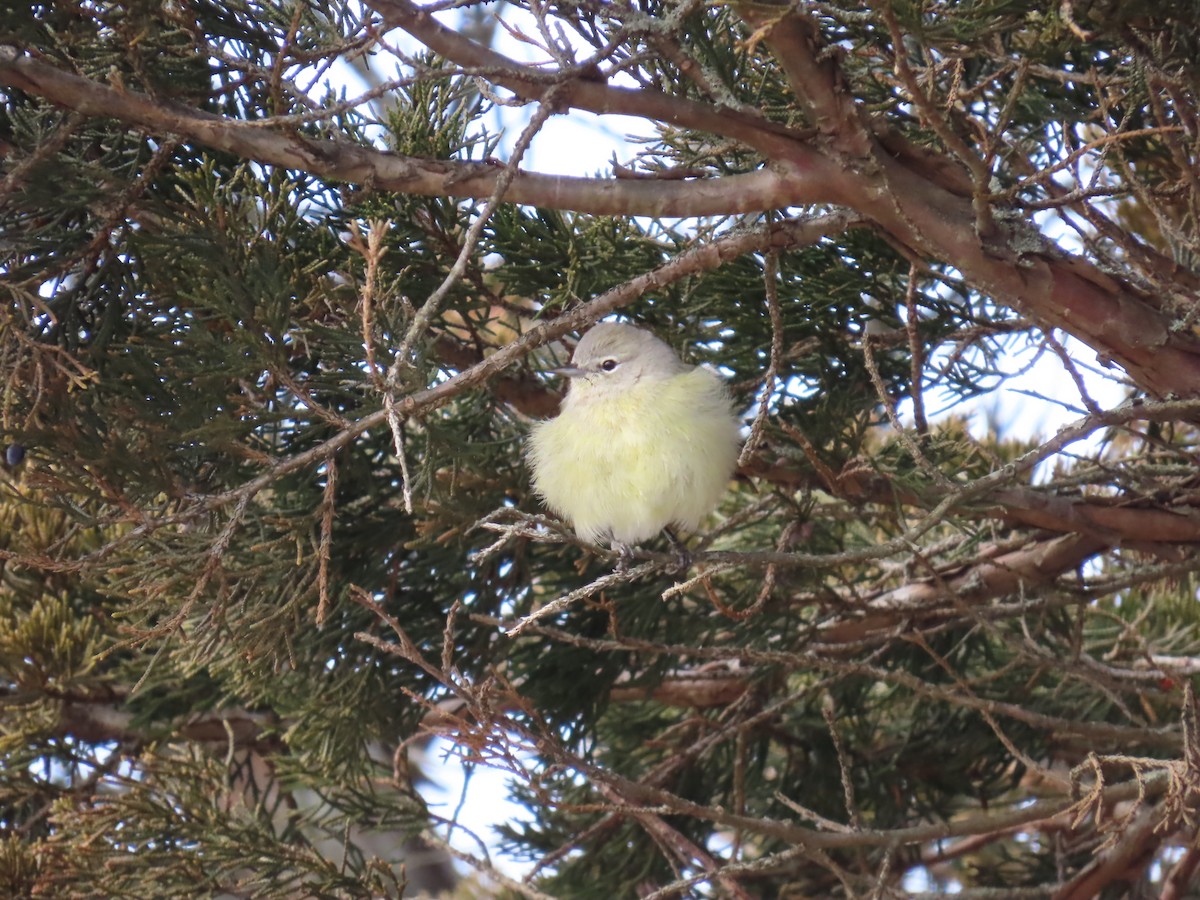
626 464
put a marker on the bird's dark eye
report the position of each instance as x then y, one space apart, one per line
608 365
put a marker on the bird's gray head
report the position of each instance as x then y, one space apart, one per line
614 355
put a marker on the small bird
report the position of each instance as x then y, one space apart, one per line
643 441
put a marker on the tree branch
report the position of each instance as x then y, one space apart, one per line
104 720
1016 264
580 89
1121 864
342 161
925 601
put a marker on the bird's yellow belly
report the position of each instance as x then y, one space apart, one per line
626 466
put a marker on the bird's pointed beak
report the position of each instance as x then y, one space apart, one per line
568 371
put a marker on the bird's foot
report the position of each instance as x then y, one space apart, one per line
683 556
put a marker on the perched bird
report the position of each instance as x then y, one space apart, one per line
643 441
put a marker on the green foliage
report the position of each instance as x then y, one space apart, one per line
236 596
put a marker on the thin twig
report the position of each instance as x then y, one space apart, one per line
424 317
327 511
771 289
916 350
588 590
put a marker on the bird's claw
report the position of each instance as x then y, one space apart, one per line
683 556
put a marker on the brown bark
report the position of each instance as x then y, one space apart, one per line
843 161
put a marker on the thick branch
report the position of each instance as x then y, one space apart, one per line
920 602
1120 520
580 90
99 721
1122 864
816 82
343 161
1016 265
1098 517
